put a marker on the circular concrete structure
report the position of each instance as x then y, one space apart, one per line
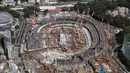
62 38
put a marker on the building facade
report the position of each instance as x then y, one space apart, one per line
8 44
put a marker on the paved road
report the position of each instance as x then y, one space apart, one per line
18 43
21 31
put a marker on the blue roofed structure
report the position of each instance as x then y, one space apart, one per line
3 28
101 71
6 21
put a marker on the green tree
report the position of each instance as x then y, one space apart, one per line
30 10
111 5
14 13
79 7
17 27
63 0
16 1
45 11
24 0
5 8
64 9
120 35
1 1
125 3
98 6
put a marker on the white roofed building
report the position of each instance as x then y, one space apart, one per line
47 1
123 11
42 8
52 1
8 2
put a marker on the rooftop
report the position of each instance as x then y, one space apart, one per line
5 18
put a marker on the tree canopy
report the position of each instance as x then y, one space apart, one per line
28 11
100 7
120 35
1 1
24 0
125 3
80 8
12 12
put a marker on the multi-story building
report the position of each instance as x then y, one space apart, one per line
6 21
7 44
122 11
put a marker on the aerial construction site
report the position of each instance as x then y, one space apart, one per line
65 40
